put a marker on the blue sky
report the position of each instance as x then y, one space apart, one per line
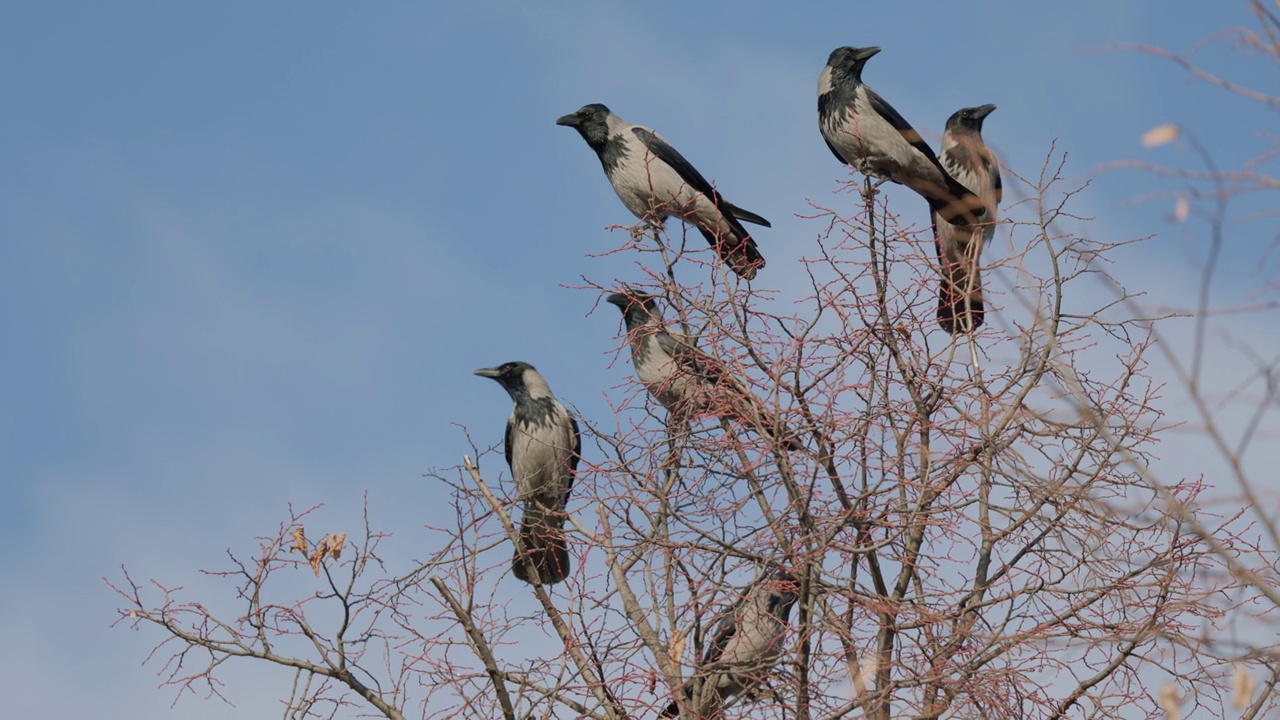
250 253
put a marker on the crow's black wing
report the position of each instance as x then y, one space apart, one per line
899 123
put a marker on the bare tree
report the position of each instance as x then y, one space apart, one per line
970 521
1224 370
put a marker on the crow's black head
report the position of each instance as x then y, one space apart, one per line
629 298
591 122
509 375
636 306
594 111
846 62
783 592
970 117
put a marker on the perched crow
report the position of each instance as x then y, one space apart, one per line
866 133
542 448
686 381
744 644
654 182
966 157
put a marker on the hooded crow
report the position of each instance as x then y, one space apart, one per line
866 133
654 182
967 158
686 381
543 448
744 644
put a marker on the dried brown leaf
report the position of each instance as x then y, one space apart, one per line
335 545
676 647
317 557
1242 687
1160 135
299 540
1181 209
1169 700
